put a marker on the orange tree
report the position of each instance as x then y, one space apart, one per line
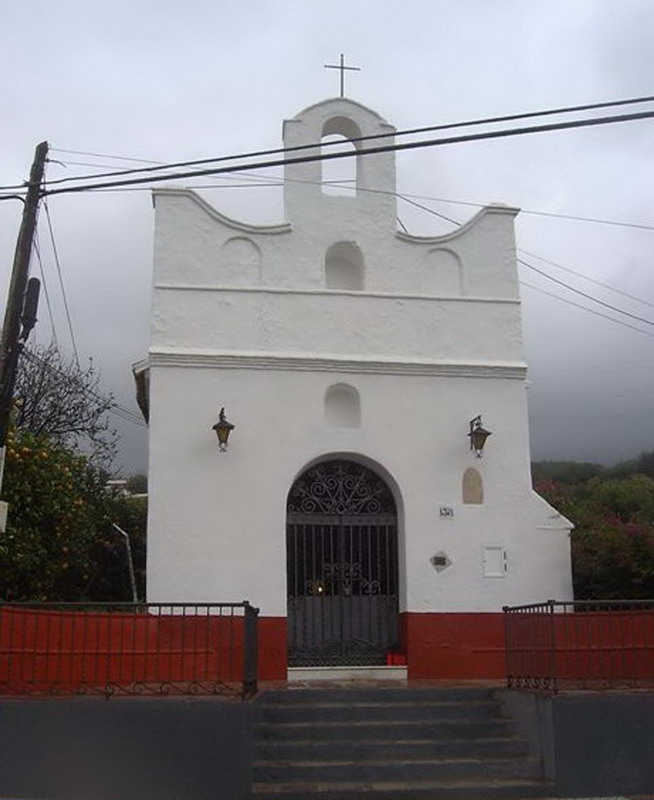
59 543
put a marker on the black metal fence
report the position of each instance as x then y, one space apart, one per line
584 644
128 648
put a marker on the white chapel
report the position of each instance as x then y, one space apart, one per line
354 360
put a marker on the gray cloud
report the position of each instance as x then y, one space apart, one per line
170 81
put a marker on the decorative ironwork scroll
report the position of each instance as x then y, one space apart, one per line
340 487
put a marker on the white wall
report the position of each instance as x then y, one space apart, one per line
218 519
242 318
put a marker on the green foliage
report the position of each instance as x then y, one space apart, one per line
567 472
137 484
613 540
59 543
643 465
109 555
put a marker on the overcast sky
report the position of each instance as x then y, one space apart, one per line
168 80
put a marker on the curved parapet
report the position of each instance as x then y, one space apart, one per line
197 245
201 203
469 225
476 259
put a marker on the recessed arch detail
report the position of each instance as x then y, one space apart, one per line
342 406
344 267
443 272
240 262
473 487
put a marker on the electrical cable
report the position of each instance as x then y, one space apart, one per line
390 134
584 294
426 208
262 180
585 308
574 217
560 126
545 274
587 278
272 182
117 409
103 155
37 250
61 280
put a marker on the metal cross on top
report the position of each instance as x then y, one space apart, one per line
341 67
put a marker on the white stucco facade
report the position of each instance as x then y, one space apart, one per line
420 334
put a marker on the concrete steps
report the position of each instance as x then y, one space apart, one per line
378 744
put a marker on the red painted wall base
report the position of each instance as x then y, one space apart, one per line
454 645
273 658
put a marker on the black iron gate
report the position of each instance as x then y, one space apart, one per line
342 567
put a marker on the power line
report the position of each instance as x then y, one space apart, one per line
391 134
559 126
427 209
263 181
584 294
116 409
61 280
585 308
37 249
574 217
103 155
545 274
591 280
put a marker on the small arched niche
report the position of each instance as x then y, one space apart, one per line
339 175
342 406
473 487
443 272
344 267
240 262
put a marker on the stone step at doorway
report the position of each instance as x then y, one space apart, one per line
390 743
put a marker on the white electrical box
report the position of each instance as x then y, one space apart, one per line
494 562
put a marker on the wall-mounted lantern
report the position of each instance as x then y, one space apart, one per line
478 436
223 428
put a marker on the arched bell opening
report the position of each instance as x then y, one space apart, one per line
340 176
342 566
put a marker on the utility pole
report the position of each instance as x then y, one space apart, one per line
10 344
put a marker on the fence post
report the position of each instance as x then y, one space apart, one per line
553 677
508 650
250 645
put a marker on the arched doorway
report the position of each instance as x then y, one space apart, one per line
342 575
